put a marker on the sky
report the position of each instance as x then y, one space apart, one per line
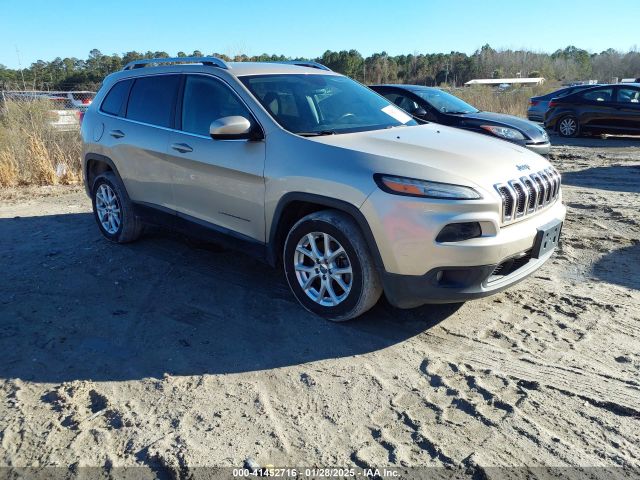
67 28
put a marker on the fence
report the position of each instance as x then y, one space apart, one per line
66 108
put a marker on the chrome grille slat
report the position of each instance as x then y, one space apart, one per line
552 181
514 202
547 188
541 190
532 190
556 181
521 197
529 194
508 201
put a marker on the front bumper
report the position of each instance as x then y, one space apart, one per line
454 284
539 148
404 232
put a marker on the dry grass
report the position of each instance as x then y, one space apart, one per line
32 152
8 169
21 194
513 101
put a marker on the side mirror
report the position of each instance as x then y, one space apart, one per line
231 128
419 112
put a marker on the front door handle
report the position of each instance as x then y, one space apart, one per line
116 133
182 147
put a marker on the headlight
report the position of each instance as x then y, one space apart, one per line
544 133
422 188
503 132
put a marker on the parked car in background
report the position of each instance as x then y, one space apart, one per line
317 174
539 105
63 116
76 104
602 109
64 119
79 100
435 105
67 108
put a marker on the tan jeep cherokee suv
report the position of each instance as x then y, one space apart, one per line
313 171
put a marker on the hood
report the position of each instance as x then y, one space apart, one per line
440 153
529 129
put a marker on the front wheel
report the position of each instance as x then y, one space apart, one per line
568 126
329 267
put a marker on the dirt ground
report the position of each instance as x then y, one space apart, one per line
165 355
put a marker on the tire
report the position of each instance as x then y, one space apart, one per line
358 272
568 126
113 210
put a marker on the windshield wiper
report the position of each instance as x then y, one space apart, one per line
316 134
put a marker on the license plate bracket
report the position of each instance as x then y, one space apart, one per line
547 238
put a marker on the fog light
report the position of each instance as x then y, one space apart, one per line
456 232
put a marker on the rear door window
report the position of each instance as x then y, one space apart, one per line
113 103
599 95
153 99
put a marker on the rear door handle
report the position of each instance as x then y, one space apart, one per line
116 133
182 147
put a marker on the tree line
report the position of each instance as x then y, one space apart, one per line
432 69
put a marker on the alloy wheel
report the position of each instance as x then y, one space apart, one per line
568 127
108 208
323 269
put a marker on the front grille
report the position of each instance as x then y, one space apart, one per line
526 195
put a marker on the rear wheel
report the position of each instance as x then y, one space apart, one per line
113 210
329 267
568 126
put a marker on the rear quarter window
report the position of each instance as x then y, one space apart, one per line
557 93
152 99
113 103
566 91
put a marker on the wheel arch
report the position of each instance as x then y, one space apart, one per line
295 205
94 165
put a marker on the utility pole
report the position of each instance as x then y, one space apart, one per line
24 85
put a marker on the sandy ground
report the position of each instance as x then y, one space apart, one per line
165 355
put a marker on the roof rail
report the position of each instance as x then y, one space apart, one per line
304 63
210 61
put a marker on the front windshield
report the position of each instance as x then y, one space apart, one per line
445 102
323 104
